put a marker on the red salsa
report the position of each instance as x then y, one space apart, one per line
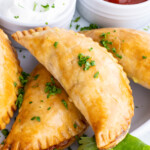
126 2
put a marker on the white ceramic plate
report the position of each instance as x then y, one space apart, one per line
141 122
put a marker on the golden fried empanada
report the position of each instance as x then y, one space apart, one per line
46 120
92 78
130 47
9 79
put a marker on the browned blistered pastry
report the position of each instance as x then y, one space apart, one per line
93 79
46 120
9 79
130 47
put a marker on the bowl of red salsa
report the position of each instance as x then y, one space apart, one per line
115 13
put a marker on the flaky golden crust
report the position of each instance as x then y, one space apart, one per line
9 73
56 127
132 45
106 101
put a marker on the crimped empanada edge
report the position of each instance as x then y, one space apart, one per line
12 108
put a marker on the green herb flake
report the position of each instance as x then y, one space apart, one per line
34 6
65 103
77 26
3 143
77 19
46 23
114 50
92 63
23 78
42 101
75 125
96 75
46 7
30 102
19 100
36 77
15 84
20 50
55 44
24 56
36 118
5 132
90 49
114 31
90 27
144 57
51 88
53 6
48 108
106 43
84 61
16 17
119 56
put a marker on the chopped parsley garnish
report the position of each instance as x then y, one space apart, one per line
114 30
46 23
77 19
75 125
144 57
90 27
51 88
105 34
34 7
19 100
65 103
24 56
90 49
48 108
42 101
30 102
23 78
5 132
119 56
56 44
15 84
16 17
36 77
105 43
53 6
96 75
84 61
77 26
36 118
114 50
46 7
20 50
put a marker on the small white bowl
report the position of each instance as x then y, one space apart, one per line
106 14
62 21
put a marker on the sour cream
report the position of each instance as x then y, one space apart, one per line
33 11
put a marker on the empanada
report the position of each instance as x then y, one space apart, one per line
132 46
94 81
9 79
46 120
